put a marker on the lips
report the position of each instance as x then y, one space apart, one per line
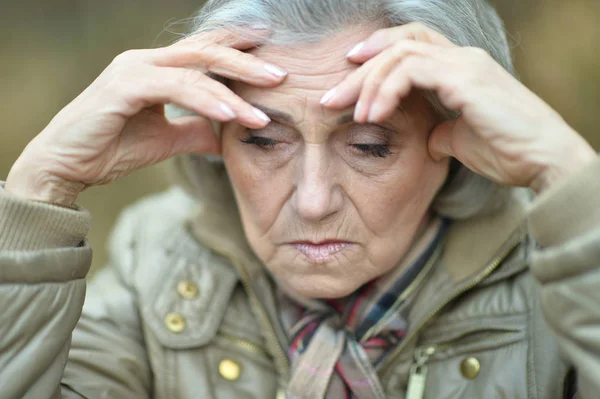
320 252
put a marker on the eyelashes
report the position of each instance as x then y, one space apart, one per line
374 150
261 142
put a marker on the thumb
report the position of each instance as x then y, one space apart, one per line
193 134
440 140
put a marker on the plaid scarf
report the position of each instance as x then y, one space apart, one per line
336 345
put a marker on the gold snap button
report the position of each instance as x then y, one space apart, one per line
187 289
230 369
470 368
175 322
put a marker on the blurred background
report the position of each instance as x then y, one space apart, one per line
51 50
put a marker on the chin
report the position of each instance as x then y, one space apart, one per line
321 287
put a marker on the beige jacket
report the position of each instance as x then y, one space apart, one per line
186 311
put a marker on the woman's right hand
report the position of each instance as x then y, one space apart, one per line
117 125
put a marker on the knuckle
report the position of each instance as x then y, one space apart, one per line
478 54
455 85
196 39
190 77
247 59
417 25
128 57
417 30
121 79
389 92
480 60
401 49
380 35
411 63
209 54
372 82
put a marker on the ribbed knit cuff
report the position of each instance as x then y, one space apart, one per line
568 210
28 225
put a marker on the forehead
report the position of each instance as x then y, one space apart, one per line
312 69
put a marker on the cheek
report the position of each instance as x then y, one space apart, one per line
261 191
403 193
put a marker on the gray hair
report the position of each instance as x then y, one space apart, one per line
472 23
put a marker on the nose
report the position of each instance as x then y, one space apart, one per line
317 195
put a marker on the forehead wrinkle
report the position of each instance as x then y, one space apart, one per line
276 114
314 66
299 68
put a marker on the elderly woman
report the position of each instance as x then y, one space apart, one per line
356 232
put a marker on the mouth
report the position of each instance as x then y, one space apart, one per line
320 252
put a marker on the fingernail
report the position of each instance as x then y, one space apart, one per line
227 111
355 49
273 70
260 26
373 112
328 96
357 110
261 115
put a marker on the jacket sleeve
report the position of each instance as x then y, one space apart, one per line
566 224
53 346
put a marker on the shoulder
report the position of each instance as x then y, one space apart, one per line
169 272
153 213
144 227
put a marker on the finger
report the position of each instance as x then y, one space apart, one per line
386 38
223 61
347 92
394 88
376 81
191 90
369 89
440 140
229 102
365 82
238 40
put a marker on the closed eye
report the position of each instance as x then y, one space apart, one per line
261 142
376 150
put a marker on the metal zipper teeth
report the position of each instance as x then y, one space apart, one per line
486 272
244 344
462 341
409 290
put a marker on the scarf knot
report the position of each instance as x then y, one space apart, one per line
337 344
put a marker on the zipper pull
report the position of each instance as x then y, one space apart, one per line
418 372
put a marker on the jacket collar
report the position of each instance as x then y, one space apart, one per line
472 243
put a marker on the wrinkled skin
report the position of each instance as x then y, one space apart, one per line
309 183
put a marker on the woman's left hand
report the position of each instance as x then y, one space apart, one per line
504 131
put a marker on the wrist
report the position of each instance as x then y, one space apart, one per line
35 185
567 161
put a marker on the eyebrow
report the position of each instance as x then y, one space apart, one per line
288 118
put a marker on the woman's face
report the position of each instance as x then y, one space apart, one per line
328 204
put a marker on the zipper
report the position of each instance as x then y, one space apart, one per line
417 377
249 346
493 265
409 290
418 372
